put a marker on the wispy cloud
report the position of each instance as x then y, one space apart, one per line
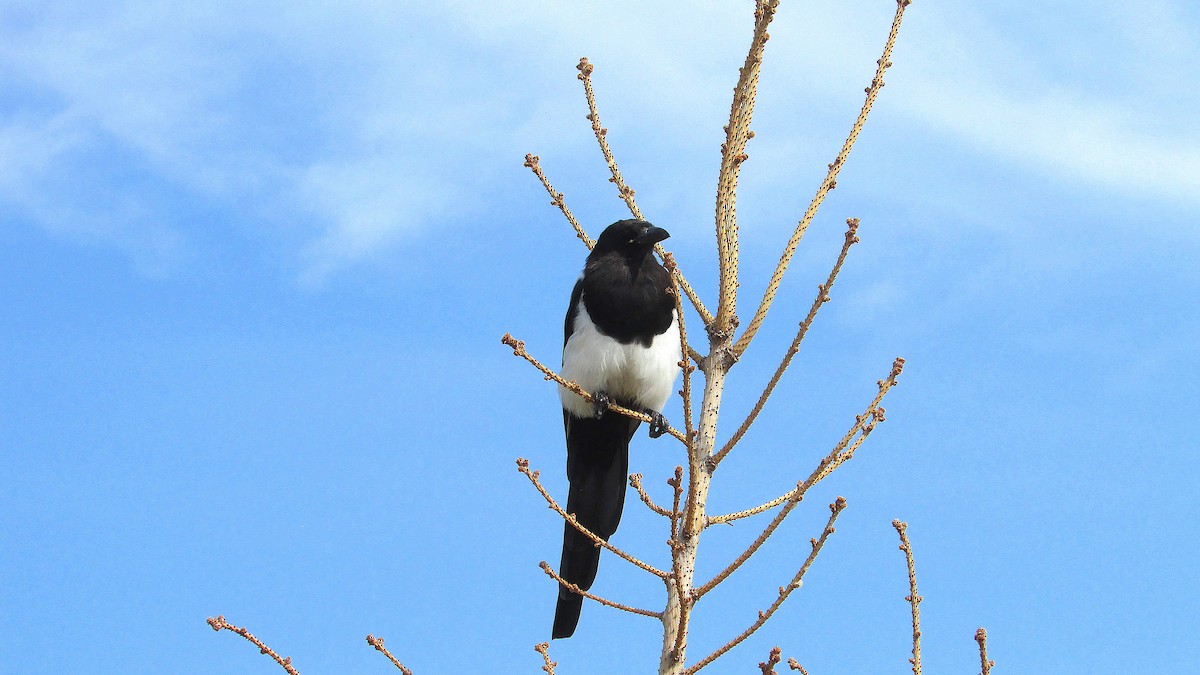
357 125
1107 118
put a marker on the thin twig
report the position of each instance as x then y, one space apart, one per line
841 452
675 543
796 496
828 184
822 298
768 667
518 347
863 425
985 663
543 648
686 392
556 199
218 623
604 601
623 190
733 154
677 485
913 597
784 591
686 600
635 480
795 665
377 643
533 476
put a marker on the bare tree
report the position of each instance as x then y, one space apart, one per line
688 517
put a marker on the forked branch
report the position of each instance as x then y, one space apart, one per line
219 623
863 425
784 591
828 184
377 643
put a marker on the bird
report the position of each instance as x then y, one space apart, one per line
621 345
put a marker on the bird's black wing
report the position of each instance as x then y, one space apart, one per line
569 322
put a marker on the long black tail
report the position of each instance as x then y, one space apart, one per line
597 467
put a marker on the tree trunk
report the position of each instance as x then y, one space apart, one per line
687 542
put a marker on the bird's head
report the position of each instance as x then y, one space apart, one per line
630 237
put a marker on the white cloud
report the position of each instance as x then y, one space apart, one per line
1120 132
358 125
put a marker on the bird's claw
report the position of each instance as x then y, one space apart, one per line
601 400
658 423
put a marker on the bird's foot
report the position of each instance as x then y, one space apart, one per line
601 400
658 423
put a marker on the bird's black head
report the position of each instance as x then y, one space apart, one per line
629 237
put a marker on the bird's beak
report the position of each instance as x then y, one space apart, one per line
652 236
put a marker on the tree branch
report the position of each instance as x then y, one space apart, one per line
913 597
985 664
822 298
523 467
768 667
548 666
635 480
676 484
828 184
623 190
377 643
518 347
556 199
863 425
218 623
795 665
688 353
608 603
784 591
733 154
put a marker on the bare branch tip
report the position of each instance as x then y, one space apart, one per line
795 665
548 666
768 667
518 346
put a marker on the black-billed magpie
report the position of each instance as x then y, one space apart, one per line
621 344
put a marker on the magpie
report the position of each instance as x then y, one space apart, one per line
621 345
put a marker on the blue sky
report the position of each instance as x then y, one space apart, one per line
255 262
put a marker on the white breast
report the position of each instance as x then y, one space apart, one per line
644 376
